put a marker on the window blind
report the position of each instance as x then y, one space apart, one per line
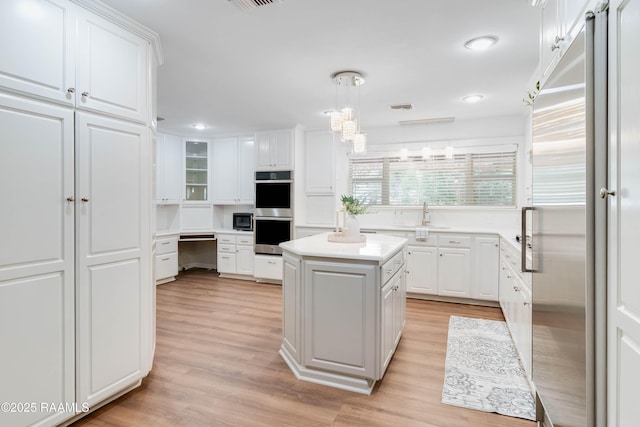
468 179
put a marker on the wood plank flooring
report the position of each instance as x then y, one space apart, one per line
217 363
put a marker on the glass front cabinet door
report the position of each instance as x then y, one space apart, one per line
196 171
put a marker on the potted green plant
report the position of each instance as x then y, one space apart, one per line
352 208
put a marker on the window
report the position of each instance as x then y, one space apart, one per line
466 179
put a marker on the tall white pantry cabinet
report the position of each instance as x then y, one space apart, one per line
76 296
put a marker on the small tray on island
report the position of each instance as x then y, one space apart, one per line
340 238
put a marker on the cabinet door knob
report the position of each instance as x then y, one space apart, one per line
85 94
525 303
71 199
517 289
84 199
71 90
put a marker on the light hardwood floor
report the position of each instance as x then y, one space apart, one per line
217 363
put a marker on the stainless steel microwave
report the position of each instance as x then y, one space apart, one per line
243 221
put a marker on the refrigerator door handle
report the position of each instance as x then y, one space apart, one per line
523 240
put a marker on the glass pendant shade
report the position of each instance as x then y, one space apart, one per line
360 143
349 128
336 121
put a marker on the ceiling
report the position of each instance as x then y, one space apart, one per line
239 71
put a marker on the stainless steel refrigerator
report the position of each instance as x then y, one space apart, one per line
567 226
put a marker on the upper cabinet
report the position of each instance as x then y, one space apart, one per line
561 21
319 163
274 150
69 55
112 69
233 171
42 63
168 169
196 171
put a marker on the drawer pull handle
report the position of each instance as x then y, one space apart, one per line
390 271
271 262
455 241
166 243
525 303
166 259
225 257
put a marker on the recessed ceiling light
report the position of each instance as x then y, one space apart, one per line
200 126
472 98
481 43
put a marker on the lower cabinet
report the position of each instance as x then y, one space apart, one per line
454 265
235 255
166 262
515 301
342 320
393 296
268 268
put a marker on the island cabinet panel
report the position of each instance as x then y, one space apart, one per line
340 317
291 303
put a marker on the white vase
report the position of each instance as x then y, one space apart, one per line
352 226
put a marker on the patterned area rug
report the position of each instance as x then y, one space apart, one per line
482 370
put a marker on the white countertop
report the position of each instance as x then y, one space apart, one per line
378 247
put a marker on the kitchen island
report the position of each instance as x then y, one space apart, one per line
343 309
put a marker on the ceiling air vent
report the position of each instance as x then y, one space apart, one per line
252 4
401 107
427 121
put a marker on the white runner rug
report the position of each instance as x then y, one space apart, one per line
482 370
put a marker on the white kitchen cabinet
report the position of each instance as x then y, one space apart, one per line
70 55
319 163
37 265
112 69
486 260
393 296
561 21
274 150
268 268
515 301
41 59
75 260
196 171
422 269
168 169
114 275
342 318
166 262
454 272
291 306
233 171
235 255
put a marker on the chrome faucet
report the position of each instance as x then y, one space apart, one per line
425 214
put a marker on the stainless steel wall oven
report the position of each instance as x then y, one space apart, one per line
273 220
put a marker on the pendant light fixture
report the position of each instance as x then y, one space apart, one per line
343 119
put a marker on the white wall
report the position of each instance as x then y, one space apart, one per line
462 133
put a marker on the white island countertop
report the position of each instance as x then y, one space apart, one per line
377 247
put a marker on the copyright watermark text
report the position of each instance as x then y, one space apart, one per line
24 407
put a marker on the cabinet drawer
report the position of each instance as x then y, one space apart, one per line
268 267
165 245
390 267
226 238
454 241
166 265
244 240
226 263
226 248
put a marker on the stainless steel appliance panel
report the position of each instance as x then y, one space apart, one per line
563 237
269 232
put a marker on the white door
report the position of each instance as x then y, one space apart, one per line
263 151
244 260
112 69
283 150
37 53
624 214
36 258
113 246
319 163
